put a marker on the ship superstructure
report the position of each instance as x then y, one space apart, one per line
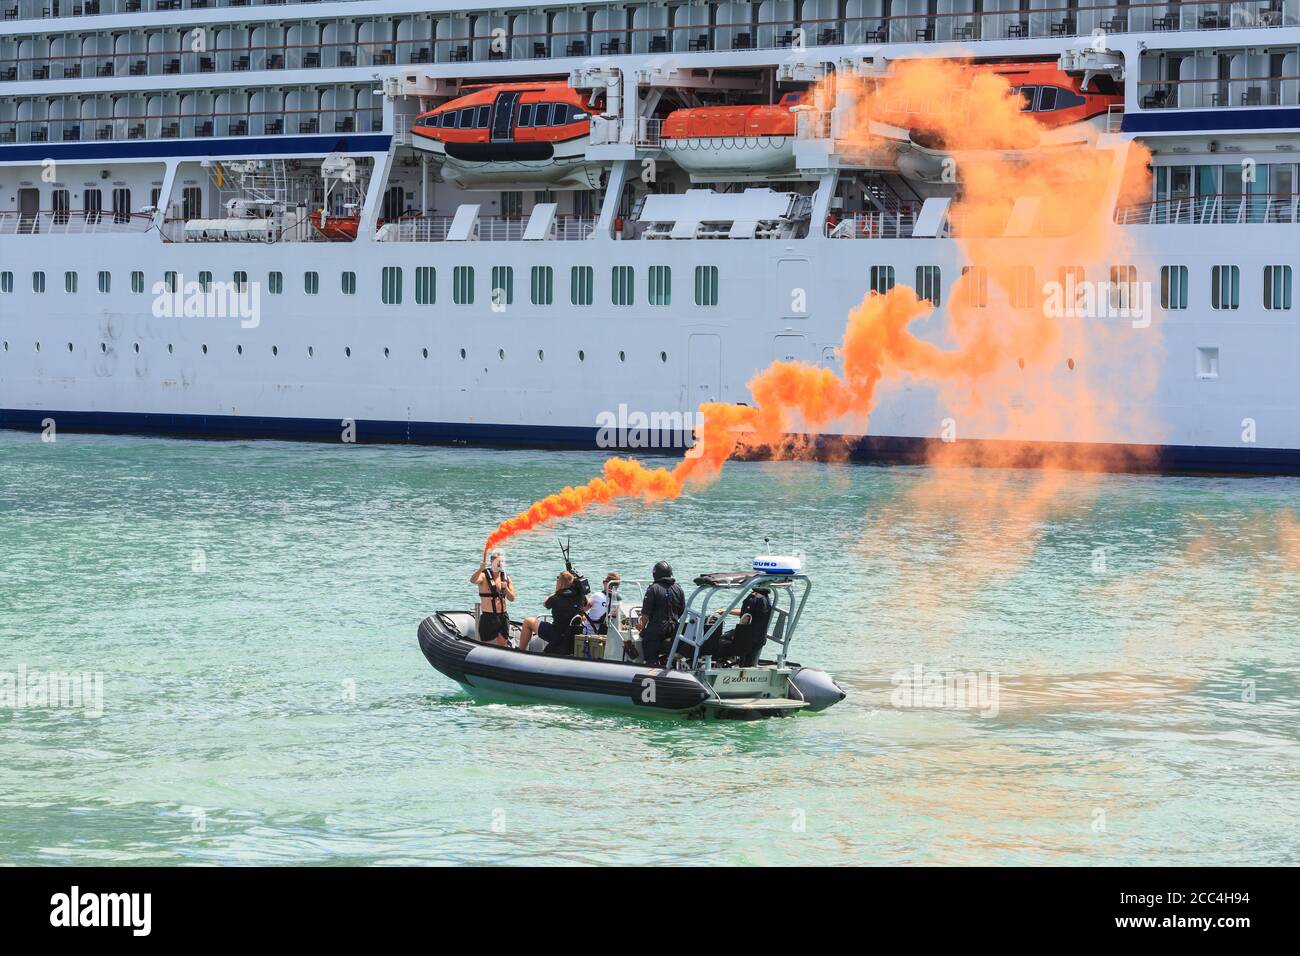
436 222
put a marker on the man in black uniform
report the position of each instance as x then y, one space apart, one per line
661 609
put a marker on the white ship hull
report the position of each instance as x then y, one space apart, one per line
522 380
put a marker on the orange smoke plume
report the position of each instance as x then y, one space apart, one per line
999 338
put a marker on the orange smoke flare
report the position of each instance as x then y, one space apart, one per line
993 342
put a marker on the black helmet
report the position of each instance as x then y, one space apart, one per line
662 570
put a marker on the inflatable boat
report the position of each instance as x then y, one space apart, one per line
705 675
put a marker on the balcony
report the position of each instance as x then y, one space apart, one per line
1213 210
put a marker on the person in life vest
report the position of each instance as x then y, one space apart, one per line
661 609
567 606
494 589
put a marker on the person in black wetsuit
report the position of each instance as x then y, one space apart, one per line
494 589
745 642
661 609
567 606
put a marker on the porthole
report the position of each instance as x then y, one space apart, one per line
1020 362
385 351
311 351
275 350
170 348
462 353
239 350
103 346
347 351
541 356
69 346
622 356
1070 364
38 346
582 356
137 348
205 350
424 352
663 356
501 354
6 346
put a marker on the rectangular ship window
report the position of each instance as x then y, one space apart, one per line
390 285
137 282
1277 287
1173 287
581 283
927 284
1123 287
205 280
426 285
976 286
503 286
349 283
882 279
121 204
661 285
69 282
462 285
706 285
543 281
91 203
1225 287
311 283
241 280
275 282
105 281
1020 279
622 282
6 282
38 281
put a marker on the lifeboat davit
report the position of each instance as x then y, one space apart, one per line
755 139
525 135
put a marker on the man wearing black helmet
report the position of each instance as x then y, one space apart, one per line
661 609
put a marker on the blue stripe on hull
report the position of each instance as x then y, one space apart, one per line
1178 121
1166 458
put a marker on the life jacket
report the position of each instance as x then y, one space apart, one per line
669 594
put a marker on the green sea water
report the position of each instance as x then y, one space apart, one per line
252 608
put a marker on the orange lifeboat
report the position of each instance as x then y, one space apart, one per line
335 228
1056 100
512 134
755 139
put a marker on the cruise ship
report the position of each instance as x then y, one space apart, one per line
400 221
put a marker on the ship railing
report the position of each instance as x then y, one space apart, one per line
1220 92
872 225
489 229
1213 210
58 222
1057 20
1114 117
